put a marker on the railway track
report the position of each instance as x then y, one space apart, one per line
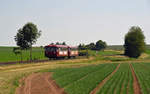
22 62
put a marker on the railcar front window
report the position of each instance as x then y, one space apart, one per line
51 49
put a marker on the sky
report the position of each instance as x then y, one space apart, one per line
74 21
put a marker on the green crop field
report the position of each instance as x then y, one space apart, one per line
81 77
82 80
143 73
120 83
7 55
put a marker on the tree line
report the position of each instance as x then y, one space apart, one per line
99 45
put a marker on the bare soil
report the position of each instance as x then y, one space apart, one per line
94 91
136 84
38 83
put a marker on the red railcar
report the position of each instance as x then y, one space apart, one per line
60 51
72 51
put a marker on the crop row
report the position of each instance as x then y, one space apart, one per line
120 83
142 71
84 79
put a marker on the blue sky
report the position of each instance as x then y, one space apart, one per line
74 21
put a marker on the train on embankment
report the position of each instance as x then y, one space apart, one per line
61 51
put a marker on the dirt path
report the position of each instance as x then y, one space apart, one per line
39 83
94 91
136 85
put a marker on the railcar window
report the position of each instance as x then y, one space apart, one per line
73 49
62 49
51 49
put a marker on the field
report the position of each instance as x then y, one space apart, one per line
143 74
120 82
82 80
105 72
7 55
120 47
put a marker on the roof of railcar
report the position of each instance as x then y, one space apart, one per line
72 46
64 46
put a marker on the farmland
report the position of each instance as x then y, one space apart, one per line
105 72
75 47
7 55
81 77
143 74
77 81
119 82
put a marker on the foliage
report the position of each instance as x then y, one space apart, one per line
27 36
82 47
134 42
91 46
59 43
19 38
100 45
16 50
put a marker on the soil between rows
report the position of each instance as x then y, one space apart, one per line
104 81
39 83
136 84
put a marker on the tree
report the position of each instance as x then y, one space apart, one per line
57 43
52 43
16 51
91 46
27 36
100 45
64 43
82 47
134 42
19 38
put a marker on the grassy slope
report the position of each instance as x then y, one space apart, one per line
6 54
